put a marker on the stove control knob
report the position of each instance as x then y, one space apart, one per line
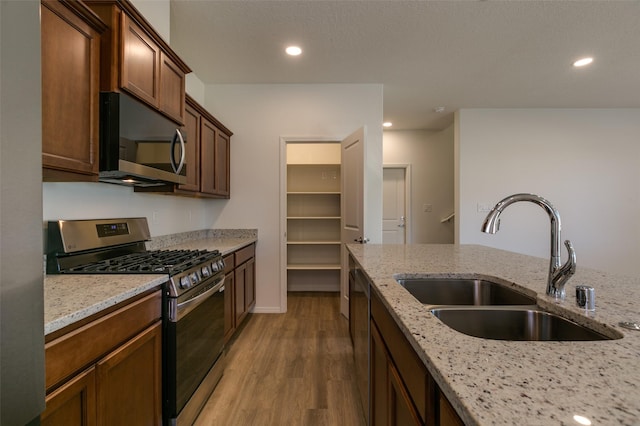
215 267
194 278
221 264
205 271
185 282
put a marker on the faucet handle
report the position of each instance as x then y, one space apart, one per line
572 258
560 277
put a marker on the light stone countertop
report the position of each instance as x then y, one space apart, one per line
70 298
507 382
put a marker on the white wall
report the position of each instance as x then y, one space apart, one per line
259 115
430 155
584 161
158 13
166 214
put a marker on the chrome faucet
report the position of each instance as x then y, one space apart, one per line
559 274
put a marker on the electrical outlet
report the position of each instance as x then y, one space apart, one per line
155 218
427 208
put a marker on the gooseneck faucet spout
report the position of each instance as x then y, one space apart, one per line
559 274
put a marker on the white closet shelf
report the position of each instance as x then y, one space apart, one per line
313 266
312 217
314 193
307 242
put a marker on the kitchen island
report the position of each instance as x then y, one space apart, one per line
516 382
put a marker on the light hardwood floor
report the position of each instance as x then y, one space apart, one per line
289 369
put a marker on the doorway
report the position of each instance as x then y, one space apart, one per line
396 199
312 215
321 207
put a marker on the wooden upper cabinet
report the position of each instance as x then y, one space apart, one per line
222 170
137 60
192 147
70 36
207 157
140 63
208 154
172 87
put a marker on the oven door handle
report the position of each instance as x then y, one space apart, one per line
182 309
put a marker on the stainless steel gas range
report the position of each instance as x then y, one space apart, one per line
193 300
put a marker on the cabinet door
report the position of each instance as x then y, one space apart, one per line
70 90
229 308
172 89
207 157
250 284
402 412
73 404
448 416
390 402
140 63
192 163
129 386
222 159
240 305
378 379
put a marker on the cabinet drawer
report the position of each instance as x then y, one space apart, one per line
412 371
229 263
79 348
245 254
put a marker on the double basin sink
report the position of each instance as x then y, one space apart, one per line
489 310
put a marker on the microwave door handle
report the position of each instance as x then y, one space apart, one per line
177 137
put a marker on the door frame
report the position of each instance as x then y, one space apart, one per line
407 198
284 140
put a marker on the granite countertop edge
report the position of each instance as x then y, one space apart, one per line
504 382
71 298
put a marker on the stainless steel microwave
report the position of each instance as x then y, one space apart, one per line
139 146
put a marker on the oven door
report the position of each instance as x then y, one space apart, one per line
194 339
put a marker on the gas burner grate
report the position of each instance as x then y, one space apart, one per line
151 262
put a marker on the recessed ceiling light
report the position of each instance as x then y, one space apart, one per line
583 62
387 124
293 50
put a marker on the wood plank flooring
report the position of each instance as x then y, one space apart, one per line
289 369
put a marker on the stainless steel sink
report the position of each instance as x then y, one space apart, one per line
513 323
460 291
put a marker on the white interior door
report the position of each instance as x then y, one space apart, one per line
352 207
394 216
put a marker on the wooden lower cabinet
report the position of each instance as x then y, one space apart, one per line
447 415
401 388
240 288
74 403
240 310
391 403
129 382
122 384
229 308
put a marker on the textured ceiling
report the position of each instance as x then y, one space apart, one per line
455 54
